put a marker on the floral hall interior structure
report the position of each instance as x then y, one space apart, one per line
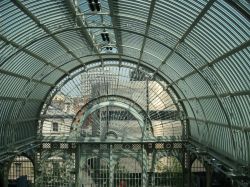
124 93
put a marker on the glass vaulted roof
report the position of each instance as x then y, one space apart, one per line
194 55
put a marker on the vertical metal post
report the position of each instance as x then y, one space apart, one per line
5 174
77 161
79 166
152 169
111 166
35 167
147 95
1 174
145 128
97 168
187 165
209 174
107 121
144 167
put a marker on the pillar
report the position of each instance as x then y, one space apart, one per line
209 173
111 166
1 174
187 173
80 159
144 167
6 167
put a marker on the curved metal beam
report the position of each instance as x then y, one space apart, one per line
30 53
224 56
127 107
71 77
70 29
164 76
114 22
38 23
148 24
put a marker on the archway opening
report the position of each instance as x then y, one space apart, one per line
56 170
128 172
95 172
198 171
21 172
168 172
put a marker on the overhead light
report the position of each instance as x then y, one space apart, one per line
94 5
109 48
103 36
98 6
107 38
91 6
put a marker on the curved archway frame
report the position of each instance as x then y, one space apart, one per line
173 93
124 99
125 106
12 160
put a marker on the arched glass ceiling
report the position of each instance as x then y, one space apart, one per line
201 48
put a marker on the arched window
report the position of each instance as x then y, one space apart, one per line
21 171
198 174
128 172
95 172
197 166
56 171
168 172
